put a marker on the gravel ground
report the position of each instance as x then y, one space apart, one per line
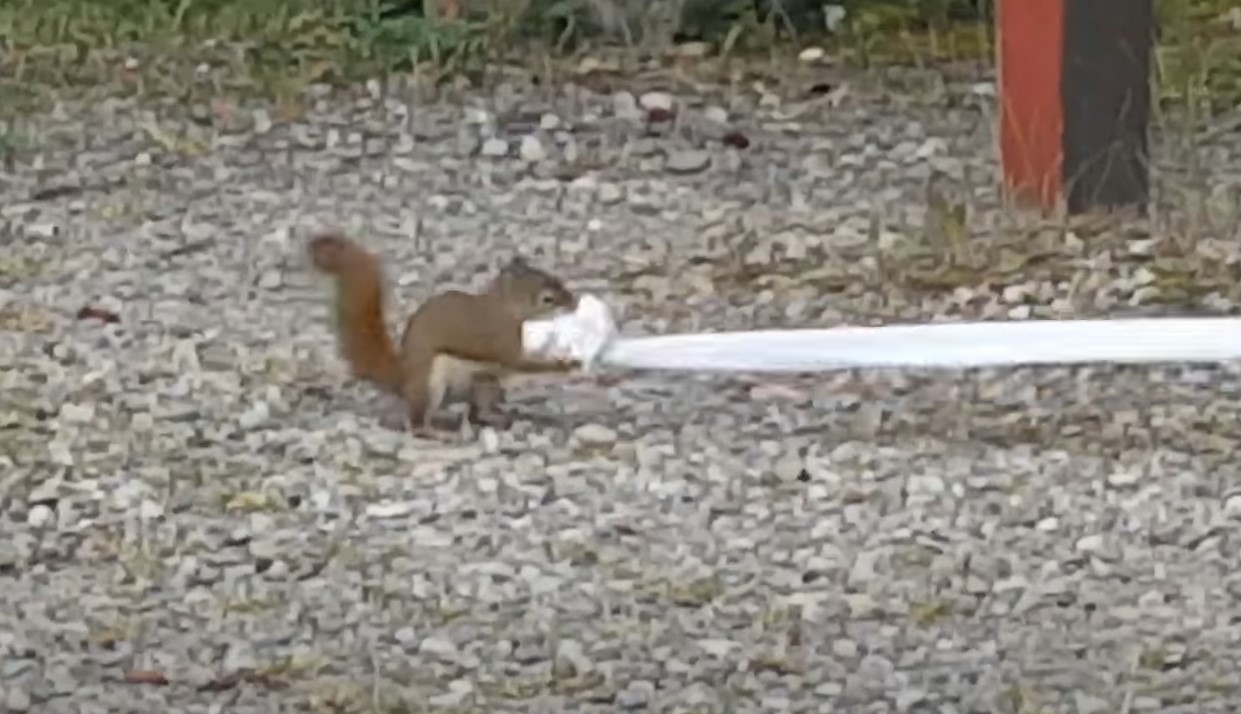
202 513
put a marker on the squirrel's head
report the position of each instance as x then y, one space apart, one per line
531 292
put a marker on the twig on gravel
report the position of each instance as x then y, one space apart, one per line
1218 130
333 547
51 193
8 483
191 248
90 312
376 705
230 681
146 676
1126 705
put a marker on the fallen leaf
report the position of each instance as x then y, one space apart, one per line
248 501
736 140
146 676
51 193
658 115
98 313
223 684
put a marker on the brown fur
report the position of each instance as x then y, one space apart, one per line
454 344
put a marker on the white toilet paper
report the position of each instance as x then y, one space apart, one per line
590 335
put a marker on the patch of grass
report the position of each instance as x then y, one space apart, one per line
191 49
1198 59
533 687
917 32
172 47
930 613
276 47
249 606
250 502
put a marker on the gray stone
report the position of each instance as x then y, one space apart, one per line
439 648
637 694
16 699
624 106
845 648
610 193
684 163
644 146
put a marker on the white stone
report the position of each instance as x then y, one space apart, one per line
1090 544
610 193
657 100
595 434
716 114
150 510
861 605
257 414
624 106
494 147
531 149
390 509
262 121
40 516
77 413
439 648
717 647
845 648
549 122
811 54
1047 524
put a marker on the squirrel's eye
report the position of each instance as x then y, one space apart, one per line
547 299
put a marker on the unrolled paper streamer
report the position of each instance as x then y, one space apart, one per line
590 335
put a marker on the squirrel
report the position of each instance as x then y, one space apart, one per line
456 344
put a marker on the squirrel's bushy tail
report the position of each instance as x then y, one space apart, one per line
361 331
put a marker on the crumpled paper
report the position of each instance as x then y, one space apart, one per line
584 334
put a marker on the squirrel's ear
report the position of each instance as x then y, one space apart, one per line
516 264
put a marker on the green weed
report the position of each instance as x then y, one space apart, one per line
277 47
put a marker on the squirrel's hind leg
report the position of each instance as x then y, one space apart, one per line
424 390
486 400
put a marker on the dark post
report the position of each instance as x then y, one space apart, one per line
1075 101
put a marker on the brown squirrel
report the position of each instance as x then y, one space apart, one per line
456 344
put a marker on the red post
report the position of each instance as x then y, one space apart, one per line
1074 89
1031 40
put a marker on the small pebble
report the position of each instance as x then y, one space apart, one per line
531 150
657 100
494 148
595 435
684 163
